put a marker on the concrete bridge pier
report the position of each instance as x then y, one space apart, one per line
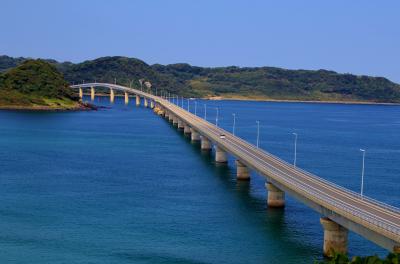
137 100
175 121
186 129
166 114
205 144
146 104
242 171
112 95
126 98
181 125
92 93
335 237
80 92
276 197
151 104
195 136
170 117
220 155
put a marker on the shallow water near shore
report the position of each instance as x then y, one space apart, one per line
121 185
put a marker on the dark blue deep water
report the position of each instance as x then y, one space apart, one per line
121 185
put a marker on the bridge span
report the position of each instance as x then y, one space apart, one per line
341 209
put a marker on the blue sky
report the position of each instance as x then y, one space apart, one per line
360 37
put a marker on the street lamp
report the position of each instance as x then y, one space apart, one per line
205 111
195 108
141 84
188 105
258 133
182 102
234 123
362 171
148 86
216 116
130 83
295 149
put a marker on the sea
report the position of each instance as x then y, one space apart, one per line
122 185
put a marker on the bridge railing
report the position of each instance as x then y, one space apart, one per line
353 193
372 219
375 220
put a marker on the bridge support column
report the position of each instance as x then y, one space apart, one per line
242 171
166 114
195 135
175 121
146 104
170 118
335 237
137 100
126 98
80 92
276 197
205 144
151 104
180 124
186 129
92 93
112 95
220 155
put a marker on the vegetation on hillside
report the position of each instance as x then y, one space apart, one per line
35 84
391 258
276 83
230 82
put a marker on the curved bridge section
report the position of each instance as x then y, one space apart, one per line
341 209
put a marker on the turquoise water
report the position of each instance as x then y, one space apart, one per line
121 185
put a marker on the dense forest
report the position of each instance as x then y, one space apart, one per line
35 84
229 82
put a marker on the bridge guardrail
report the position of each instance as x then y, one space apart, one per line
347 208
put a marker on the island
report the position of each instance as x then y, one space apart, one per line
37 85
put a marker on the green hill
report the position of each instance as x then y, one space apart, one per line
281 84
36 84
263 83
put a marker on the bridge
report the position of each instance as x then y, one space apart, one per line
341 209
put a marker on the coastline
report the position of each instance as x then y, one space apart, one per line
43 108
296 101
244 98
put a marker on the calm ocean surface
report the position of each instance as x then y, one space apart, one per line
121 185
